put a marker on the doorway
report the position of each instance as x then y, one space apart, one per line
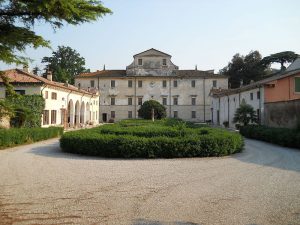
104 117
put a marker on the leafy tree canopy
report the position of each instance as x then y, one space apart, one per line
244 69
65 64
146 110
280 57
17 18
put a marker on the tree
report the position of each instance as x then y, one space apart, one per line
36 70
281 57
245 114
146 110
244 69
65 64
17 18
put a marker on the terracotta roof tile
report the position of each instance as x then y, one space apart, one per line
20 76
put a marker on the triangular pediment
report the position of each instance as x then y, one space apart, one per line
152 52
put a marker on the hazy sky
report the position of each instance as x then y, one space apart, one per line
203 32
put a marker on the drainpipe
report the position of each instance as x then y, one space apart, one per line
170 93
135 97
228 108
204 99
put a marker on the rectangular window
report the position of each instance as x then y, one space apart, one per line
258 95
46 117
193 114
297 84
193 83
164 83
164 62
92 83
251 96
129 101
175 101
140 83
20 92
53 116
112 83
193 101
140 62
112 114
129 114
175 84
46 94
54 95
140 101
175 114
214 83
112 101
130 83
164 102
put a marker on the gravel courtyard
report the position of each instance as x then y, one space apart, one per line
41 185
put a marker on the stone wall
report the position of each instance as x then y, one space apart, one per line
282 114
4 122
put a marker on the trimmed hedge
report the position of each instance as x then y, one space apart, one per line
17 136
151 141
281 136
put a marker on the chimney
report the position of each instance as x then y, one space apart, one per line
104 67
66 84
241 83
196 68
49 75
26 68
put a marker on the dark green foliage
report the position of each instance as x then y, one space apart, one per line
129 139
280 57
17 136
146 110
245 114
18 17
27 110
244 69
281 136
65 64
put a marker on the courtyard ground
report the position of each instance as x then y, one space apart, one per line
42 185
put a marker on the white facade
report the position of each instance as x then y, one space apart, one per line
65 105
225 103
152 75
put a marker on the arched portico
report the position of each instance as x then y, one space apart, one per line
71 113
88 117
77 113
82 113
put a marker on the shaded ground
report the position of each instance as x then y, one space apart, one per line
41 185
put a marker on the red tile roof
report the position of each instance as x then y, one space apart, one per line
20 76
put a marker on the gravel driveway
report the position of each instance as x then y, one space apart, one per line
41 185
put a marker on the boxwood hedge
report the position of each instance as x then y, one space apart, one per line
151 141
281 136
17 136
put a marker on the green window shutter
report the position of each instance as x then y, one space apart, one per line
297 84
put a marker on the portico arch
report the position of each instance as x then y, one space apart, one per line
71 113
82 113
88 117
77 113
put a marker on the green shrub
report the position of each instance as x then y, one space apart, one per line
17 136
151 140
146 110
281 136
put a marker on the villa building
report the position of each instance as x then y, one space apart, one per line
152 75
276 100
65 104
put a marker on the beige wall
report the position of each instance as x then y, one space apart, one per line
153 89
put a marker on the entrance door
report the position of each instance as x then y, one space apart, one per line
104 117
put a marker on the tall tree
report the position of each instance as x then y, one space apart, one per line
243 69
17 18
280 57
65 64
